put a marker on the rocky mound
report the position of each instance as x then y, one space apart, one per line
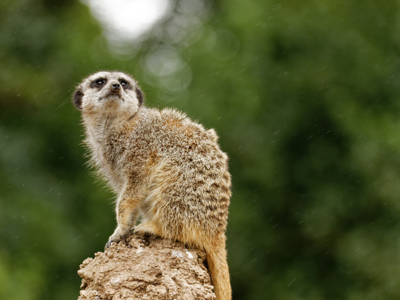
146 267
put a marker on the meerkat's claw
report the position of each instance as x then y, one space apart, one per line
108 245
123 238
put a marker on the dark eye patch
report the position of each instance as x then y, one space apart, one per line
125 84
98 83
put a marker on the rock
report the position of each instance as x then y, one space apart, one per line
146 267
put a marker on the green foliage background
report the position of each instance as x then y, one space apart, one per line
305 97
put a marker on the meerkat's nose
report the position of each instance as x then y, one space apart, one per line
115 87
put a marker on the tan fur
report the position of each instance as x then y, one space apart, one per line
164 167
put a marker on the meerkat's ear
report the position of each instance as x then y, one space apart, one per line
78 98
139 95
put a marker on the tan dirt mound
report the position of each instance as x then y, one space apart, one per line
146 267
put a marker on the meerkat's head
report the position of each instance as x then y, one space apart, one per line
108 92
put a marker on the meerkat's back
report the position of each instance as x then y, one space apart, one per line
188 172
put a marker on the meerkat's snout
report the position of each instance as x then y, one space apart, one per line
115 87
113 90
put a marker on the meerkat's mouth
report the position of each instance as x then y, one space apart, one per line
111 97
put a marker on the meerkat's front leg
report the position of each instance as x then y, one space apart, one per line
127 212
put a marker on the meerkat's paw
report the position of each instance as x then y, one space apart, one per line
116 237
112 240
119 234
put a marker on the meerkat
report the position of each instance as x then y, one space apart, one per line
162 166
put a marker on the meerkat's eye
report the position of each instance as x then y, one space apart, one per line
124 84
98 83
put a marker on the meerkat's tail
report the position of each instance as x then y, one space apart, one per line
216 259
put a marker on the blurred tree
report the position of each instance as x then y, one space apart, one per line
304 96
